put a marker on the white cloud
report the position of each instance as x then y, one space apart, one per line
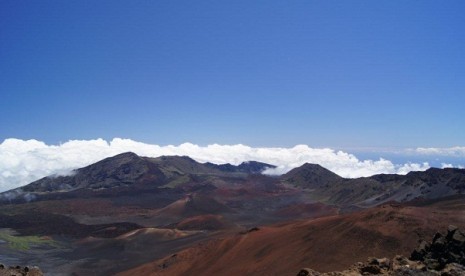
446 165
449 165
406 168
452 151
22 162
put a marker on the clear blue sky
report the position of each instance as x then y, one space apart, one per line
341 74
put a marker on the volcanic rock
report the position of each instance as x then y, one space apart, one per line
444 256
443 250
19 271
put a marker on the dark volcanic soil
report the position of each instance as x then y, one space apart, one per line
126 211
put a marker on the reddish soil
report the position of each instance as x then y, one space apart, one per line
204 222
308 210
324 244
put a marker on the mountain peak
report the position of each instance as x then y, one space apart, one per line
311 176
254 167
120 170
175 158
315 169
120 158
248 167
125 154
313 166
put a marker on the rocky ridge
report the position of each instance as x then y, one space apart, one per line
365 192
444 256
128 173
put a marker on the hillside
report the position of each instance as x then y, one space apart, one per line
126 173
324 244
135 212
365 192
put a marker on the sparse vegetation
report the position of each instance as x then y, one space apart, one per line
177 181
25 242
156 207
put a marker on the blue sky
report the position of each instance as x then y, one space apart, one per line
339 74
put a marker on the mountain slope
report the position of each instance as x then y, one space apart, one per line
325 244
248 167
371 191
120 170
311 176
128 192
126 173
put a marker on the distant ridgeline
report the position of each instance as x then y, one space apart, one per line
129 173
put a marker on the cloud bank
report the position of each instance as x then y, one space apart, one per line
453 151
23 161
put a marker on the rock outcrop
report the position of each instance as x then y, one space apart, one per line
20 271
444 256
443 250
